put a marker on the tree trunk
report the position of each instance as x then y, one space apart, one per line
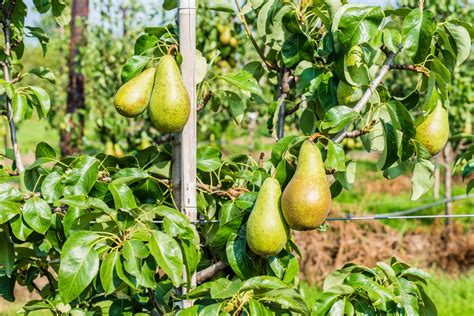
76 86
447 182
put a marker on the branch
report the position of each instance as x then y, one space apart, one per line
6 76
368 93
268 63
204 102
412 68
283 89
210 271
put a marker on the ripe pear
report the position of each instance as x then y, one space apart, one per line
133 97
226 36
267 232
169 104
306 199
433 132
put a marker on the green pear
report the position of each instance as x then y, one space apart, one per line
169 104
133 97
433 132
267 232
306 199
226 36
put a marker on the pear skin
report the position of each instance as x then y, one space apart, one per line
306 199
133 97
267 232
169 104
433 132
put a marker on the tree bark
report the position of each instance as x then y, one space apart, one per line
76 86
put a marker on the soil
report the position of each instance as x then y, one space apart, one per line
450 249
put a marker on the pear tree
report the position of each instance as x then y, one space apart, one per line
106 231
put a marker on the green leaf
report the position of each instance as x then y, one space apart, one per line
9 193
144 43
242 80
417 33
20 106
170 4
167 254
7 287
235 105
79 264
211 310
43 150
422 178
61 12
42 98
223 6
390 152
40 34
42 5
37 214
123 196
82 177
133 252
261 284
284 300
7 253
236 251
231 219
20 229
52 187
296 48
223 288
208 159
176 224
44 73
8 210
337 118
462 40
133 66
324 303
108 276
123 275
336 157
129 176
258 309
355 24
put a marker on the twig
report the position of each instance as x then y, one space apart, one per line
284 82
412 68
268 63
368 93
210 271
295 108
6 75
204 102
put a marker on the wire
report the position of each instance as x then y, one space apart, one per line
430 205
378 217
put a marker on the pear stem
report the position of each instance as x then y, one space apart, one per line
171 48
313 137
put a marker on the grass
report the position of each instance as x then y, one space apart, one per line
453 296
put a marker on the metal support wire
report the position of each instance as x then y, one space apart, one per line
370 218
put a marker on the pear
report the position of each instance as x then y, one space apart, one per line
226 36
267 232
169 104
133 97
433 132
306 199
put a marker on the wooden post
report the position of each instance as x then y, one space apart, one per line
184 145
